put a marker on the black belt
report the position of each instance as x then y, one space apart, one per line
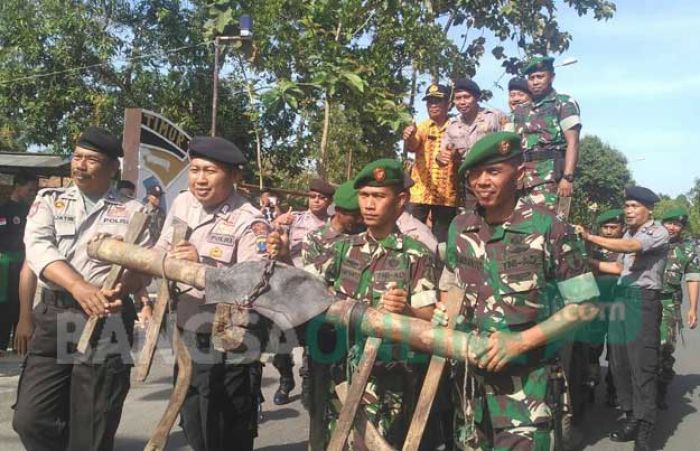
60 299
539 155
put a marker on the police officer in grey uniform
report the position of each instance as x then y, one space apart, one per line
220 408
634 331
68 400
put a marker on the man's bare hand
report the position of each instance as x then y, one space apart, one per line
278 244
91 298
581 231
23 334
503 347
446 155
395 300
692 319
184 250
285 219
440 317
409 131
566 188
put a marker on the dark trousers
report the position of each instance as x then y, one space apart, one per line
634 345
220 409
66 401
442 217
9 310
574 361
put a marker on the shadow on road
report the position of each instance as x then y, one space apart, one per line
176 441
280 414
680 399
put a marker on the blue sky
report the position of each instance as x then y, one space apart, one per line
637 81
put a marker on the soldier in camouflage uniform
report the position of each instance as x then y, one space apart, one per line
345 221
549 127
526 284
682 260
610 225
387 270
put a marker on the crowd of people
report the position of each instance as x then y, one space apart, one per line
475 238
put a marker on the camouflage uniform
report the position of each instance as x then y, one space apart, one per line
597 329
514 276
541 126
362 268
682 259
317 243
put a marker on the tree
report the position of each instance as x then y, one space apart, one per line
689 201
601 177
69 64
363 57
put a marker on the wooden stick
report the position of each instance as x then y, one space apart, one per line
355 393
363 426
146 357
137 224
184 375
432 381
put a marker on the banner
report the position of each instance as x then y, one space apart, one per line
162 157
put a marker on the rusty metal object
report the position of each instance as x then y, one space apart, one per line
137 225
143 366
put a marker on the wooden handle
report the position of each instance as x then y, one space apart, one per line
148 261
143 366
137 225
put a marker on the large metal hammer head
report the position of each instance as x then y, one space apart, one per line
294 296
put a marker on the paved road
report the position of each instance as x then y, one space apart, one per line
286 427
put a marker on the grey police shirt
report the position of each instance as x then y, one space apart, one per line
645 269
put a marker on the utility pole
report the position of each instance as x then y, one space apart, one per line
245 25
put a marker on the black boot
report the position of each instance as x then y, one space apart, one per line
282 394
661 390
627 432
643 440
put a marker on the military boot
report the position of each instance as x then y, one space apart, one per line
282 394
627 432
643 440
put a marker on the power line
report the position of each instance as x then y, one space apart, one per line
91 66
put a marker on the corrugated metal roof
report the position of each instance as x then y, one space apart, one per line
34 163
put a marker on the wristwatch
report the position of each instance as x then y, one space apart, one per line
569 178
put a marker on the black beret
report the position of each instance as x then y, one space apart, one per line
102 141
155 190
644 196
469 85
518 84
217 149
321 186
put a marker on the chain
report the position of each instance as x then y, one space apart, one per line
262 286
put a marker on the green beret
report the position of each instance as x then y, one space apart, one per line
382 172
613 215
492 148
680 214
539 63
346 196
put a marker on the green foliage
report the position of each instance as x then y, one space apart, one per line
358 57
601 177
103 57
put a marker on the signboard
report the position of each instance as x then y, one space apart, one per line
159 149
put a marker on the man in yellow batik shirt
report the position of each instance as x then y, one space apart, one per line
435 190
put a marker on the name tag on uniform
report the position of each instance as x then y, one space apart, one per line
65 225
